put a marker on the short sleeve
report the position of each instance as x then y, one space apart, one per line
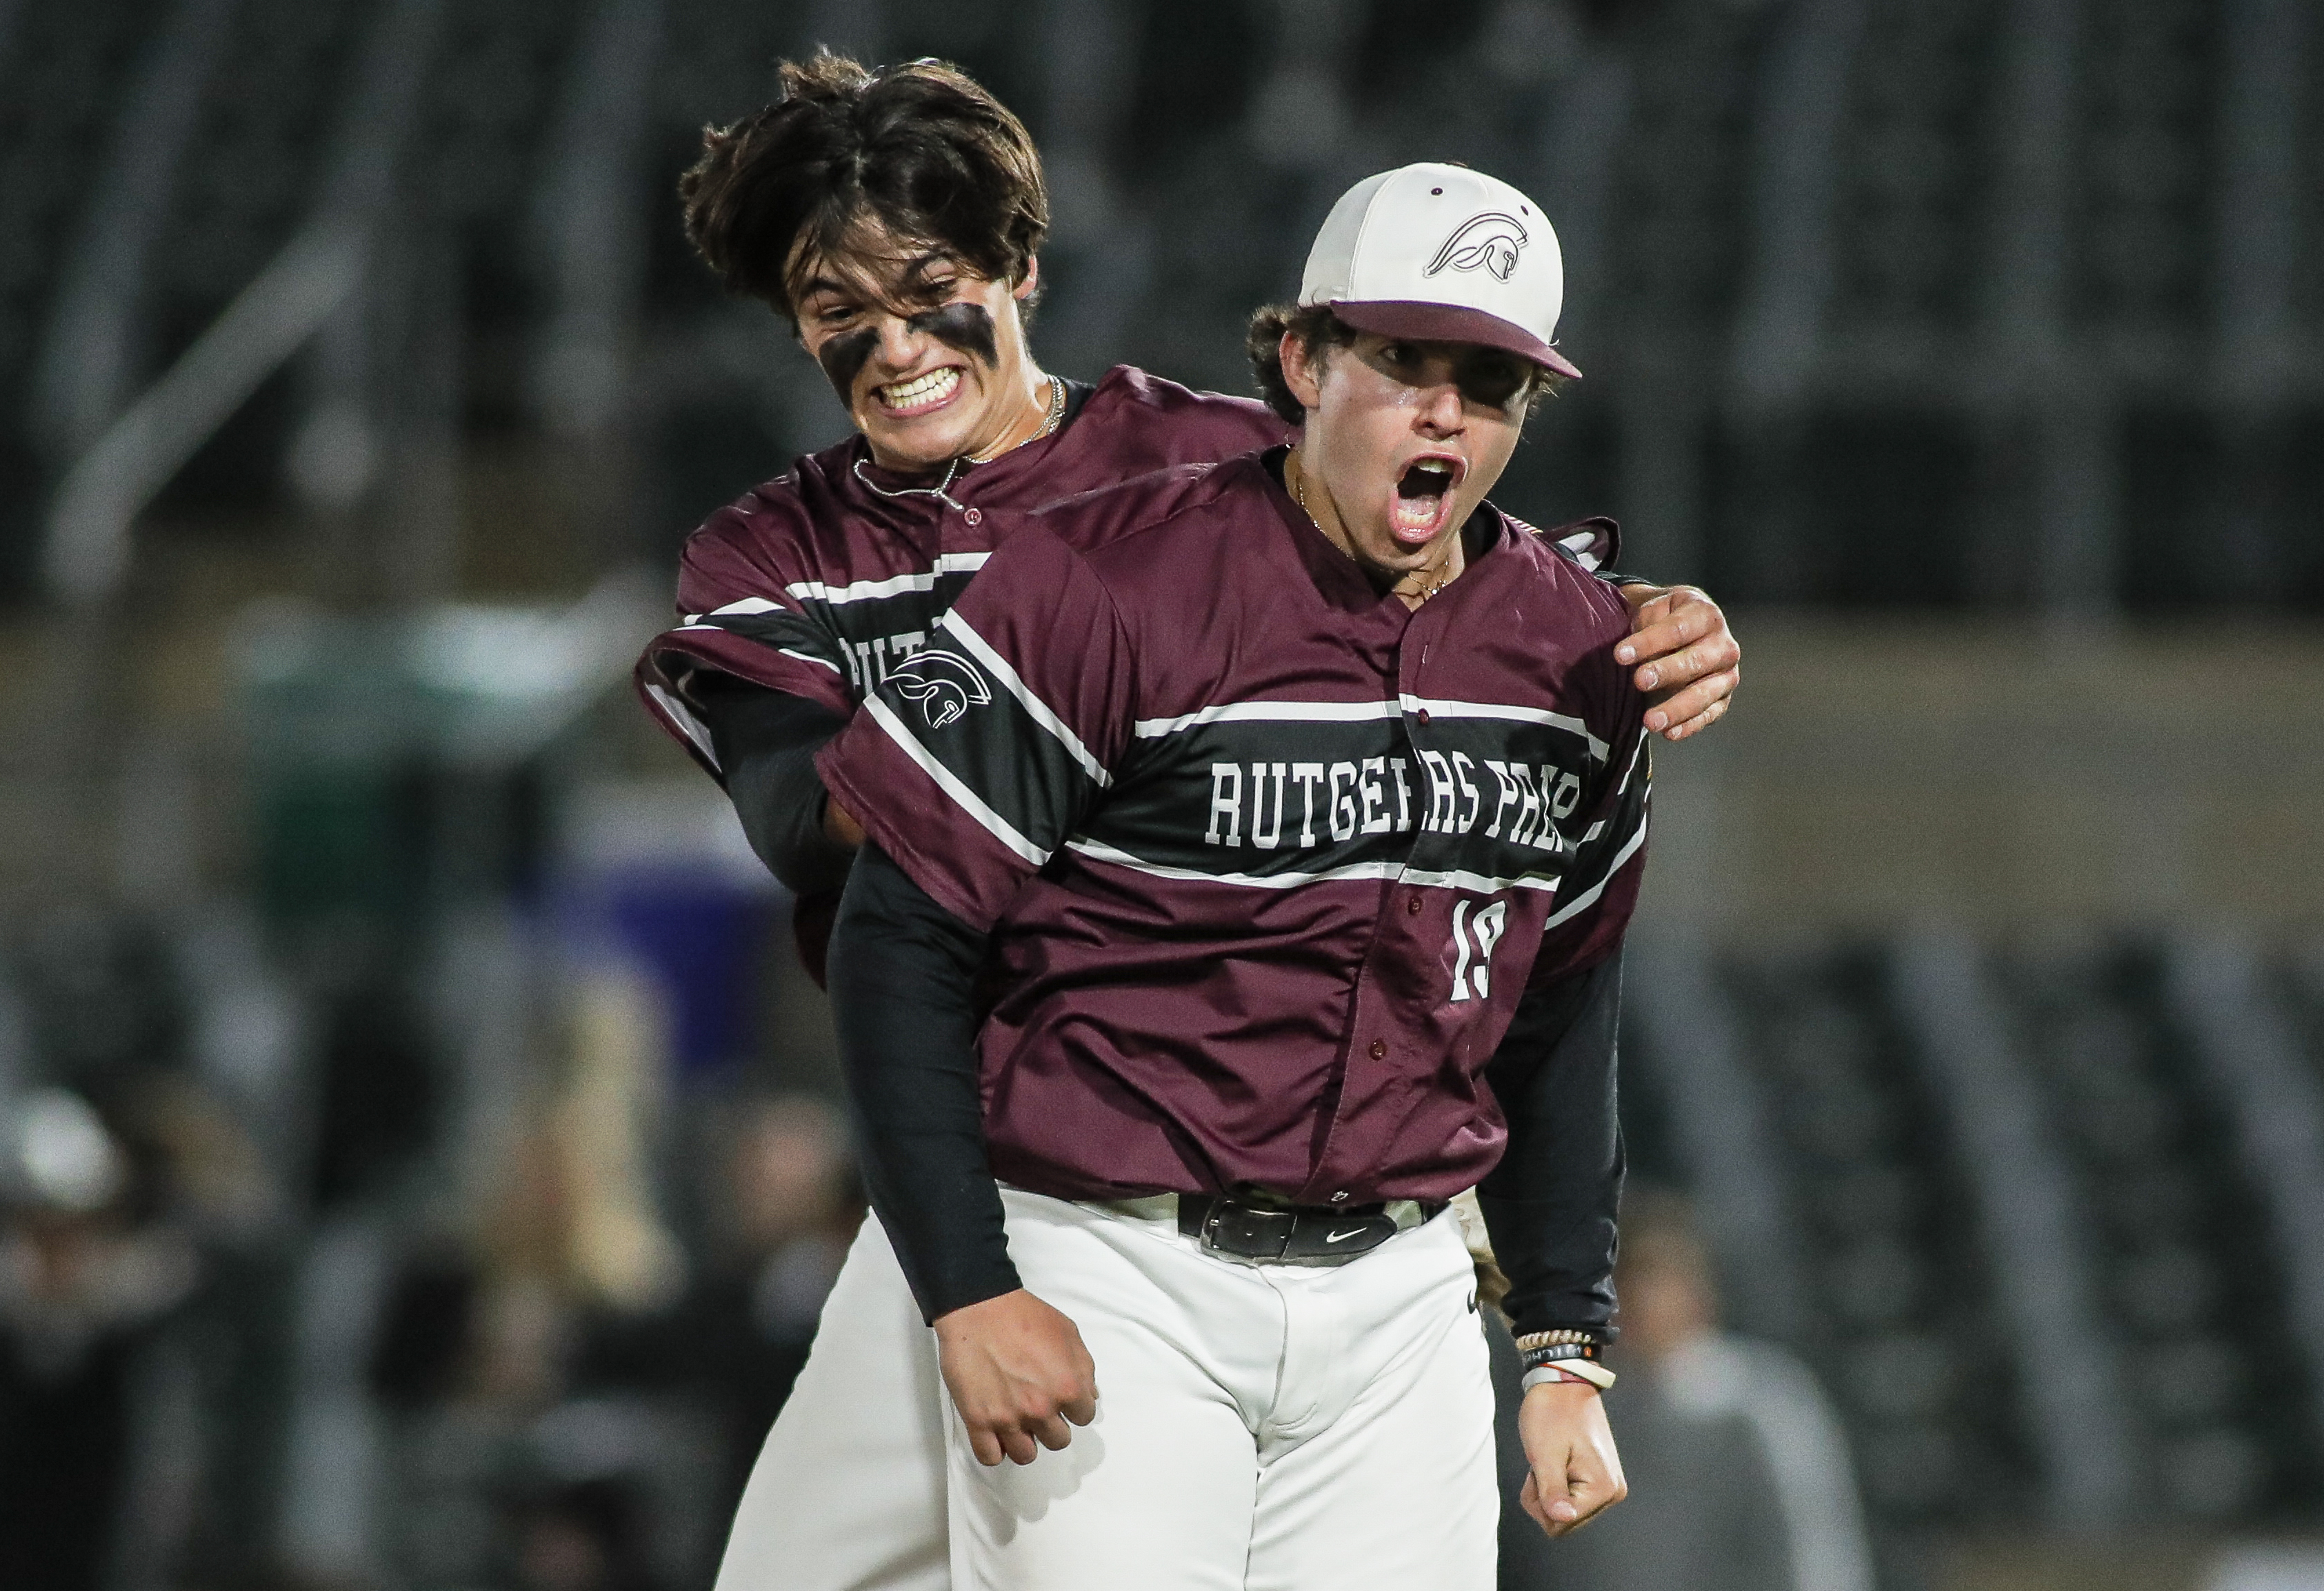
978 757
738 616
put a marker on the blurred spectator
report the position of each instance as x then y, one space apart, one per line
588 1535
1739 1477
785 1209
83 1285
500 1476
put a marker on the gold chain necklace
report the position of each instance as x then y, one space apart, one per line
1056 413
1444 570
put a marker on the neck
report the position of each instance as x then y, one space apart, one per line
1022 418
1412 587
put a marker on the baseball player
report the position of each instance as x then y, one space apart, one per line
817 586
1302 802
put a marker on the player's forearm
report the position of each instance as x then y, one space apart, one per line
903 974
1550 1205
766 741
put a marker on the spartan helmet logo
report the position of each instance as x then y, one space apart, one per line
945 683
1492 240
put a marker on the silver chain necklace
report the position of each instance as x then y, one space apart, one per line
942 490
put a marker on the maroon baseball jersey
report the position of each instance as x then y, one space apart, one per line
1268 858
822 581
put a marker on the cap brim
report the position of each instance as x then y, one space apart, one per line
1450 323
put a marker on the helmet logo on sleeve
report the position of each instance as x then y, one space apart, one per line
1491 242
945 683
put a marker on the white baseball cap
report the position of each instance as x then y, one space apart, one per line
1442 254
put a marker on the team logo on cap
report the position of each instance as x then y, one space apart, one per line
1491 242
945 683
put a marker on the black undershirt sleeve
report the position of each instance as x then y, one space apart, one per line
903 975
1550 1205
765 741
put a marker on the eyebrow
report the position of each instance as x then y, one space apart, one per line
911 278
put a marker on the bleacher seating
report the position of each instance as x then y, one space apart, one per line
63 69
1901 1317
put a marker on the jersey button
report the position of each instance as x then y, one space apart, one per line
1380 1048
1422 714
1412 904
974 516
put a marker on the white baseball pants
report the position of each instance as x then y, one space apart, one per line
1260 1428
848 1494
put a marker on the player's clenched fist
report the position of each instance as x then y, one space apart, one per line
1575 1472
1018 1372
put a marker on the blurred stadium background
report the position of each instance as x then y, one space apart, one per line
421 1168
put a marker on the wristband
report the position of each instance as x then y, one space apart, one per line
1587 1375
1559 1354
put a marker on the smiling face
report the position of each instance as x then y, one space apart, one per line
1403 439
929 356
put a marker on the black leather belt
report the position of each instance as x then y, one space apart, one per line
1289 1235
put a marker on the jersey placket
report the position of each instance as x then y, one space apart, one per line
1388 1028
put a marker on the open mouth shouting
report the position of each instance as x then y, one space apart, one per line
921 395
1423 501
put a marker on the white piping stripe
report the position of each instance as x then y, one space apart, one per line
1384 871
862 590
1478 881
967 800
1629 850
999 668
804 657
1515 715
748 604
1272 712
1352 712
1102 852
678 713
949 563
1638 755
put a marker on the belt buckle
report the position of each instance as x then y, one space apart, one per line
1247 1232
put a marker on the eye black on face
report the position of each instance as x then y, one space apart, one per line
1493 378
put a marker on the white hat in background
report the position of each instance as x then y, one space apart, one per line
1441 253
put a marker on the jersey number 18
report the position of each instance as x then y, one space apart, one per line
1471 978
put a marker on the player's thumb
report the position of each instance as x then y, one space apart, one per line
1571 1493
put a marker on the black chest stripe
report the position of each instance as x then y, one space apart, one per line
1274 795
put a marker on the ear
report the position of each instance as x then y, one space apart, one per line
1304 376
1031 280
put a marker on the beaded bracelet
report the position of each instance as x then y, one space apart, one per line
1562 1334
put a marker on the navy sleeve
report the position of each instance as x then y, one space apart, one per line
903 973
1550 1205
766 741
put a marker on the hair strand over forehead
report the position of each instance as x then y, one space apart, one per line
919 152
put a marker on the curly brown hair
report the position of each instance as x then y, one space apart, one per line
921 150
1318 330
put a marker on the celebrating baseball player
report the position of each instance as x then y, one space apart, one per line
1302 803
893 218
